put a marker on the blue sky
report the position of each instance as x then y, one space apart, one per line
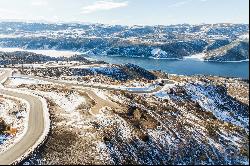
127 12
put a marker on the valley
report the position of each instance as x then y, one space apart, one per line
100 94
103 113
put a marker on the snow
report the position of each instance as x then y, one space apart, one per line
101 94
135 89
211 101
162 136
99 66
16 81
163 93
68 102
5 105
146 88
10 49
2 36
246 36
199 57
158 51
61 64
51 53
31 65
124 130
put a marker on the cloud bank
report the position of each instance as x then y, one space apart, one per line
103 5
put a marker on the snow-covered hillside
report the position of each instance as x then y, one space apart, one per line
174 41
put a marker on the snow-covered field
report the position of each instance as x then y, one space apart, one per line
68 102
15 81
52 53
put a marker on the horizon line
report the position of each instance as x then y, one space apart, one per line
93 23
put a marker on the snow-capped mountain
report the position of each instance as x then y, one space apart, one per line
174 41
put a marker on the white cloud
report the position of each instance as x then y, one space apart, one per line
178 4
184 2
6 14
7 11
39 3
103 5
13 15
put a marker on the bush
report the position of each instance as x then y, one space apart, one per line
3 126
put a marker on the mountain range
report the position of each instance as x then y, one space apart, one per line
215 42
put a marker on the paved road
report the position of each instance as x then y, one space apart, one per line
36 119
94 86
100 103
35 127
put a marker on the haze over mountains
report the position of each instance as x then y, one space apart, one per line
215 42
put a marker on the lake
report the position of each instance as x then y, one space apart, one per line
187 66
184 67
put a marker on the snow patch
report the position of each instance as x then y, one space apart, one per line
16 81
51 53
199 57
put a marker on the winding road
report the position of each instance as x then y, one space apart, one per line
93 86
99 102
36 126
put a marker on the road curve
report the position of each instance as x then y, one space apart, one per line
100 103
36 124
36 127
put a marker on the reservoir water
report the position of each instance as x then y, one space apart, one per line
184 67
